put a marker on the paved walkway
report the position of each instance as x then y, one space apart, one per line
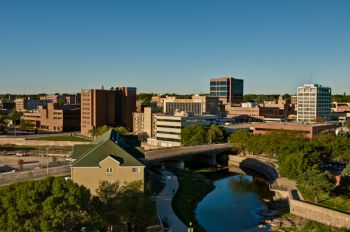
163 202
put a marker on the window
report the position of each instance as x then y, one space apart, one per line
109 170
135 169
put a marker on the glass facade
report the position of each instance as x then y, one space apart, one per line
229 90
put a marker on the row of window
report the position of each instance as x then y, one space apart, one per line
134 169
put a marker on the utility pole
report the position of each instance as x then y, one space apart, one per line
47 160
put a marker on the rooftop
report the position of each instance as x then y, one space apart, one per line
110 144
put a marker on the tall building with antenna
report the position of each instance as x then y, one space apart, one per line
313 103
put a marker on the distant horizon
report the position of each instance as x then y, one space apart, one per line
173 46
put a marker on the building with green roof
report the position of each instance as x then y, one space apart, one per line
108 158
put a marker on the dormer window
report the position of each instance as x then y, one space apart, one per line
109 170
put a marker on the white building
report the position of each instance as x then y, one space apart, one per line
168 128
313 103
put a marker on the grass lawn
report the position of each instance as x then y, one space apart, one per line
318 227
338 203
62 138
192 188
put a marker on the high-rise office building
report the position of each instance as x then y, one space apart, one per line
313 103
112 107
227 89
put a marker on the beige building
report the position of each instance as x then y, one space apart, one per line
24 104
69 99
55 117
112 107
168 127
314 103
197 104
108 158
252 111
144 124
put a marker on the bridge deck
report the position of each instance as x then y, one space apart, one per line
185 151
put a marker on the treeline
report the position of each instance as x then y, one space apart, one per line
196 135
341 98
101 130
260 98
286 146
300 158
56 204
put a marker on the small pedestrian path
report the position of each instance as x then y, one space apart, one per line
163 203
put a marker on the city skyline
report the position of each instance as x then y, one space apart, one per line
173 47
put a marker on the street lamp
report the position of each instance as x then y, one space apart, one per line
190 228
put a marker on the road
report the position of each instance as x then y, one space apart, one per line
35 174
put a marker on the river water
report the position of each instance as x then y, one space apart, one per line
233 204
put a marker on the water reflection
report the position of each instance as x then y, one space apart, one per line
232 205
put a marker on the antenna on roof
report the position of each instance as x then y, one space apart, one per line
310 79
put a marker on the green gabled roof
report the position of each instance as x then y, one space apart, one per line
104 146
80 149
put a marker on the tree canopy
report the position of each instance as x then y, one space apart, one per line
293 152
315 182
215 134
56 204
126 205
52 204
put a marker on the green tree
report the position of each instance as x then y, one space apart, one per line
25 125
314 183
215 134
15 117
145 98
122 130
293 165
239 140
346 171
61 101
108 194
136 207
52 204
126 205
99 131
193 135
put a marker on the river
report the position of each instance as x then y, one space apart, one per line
233 204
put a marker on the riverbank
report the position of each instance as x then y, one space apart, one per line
193 187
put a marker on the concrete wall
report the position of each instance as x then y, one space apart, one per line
24 142
318 213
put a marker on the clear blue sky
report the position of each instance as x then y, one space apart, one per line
172 45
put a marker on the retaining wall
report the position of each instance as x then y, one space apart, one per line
318 213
